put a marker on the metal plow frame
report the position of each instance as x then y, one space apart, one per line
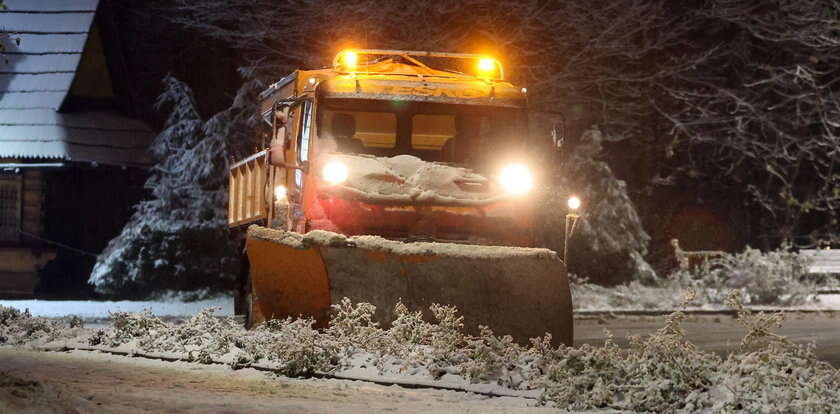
522 292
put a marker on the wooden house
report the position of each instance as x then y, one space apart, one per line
72 159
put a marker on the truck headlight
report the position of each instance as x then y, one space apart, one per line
516 179
335 172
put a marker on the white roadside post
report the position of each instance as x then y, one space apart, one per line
571 221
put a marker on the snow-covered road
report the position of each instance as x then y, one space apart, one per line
39 382
718 333
99 309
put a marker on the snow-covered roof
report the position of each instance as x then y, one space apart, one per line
35 80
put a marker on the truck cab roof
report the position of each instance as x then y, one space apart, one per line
399 75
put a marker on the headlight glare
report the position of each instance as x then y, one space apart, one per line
516 179
335 172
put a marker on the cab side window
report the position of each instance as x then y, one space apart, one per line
305 127
303 139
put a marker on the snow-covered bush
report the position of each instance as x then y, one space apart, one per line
665 373
18 327
491 358
776 277
409 328
8 315
414 344
293 343
301 349
202 337
771 374
442 337
178 240
658 373
75 321
634 295
352 325
128 326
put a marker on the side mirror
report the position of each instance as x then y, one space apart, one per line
280 142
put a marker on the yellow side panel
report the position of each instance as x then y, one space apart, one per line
246 191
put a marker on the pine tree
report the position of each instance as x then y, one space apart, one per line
609 243
177 241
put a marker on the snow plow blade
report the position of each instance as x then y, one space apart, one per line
522 292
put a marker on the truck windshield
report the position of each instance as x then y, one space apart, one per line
462 134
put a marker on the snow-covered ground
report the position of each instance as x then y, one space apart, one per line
660 372
822 303
95 309
40 382
831 300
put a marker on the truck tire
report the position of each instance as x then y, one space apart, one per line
242 294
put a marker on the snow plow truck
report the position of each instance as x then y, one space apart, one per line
397 176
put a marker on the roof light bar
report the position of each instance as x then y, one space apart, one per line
347 60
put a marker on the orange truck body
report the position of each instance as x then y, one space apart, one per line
400 113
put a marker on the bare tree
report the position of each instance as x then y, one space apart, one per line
762 112
739 96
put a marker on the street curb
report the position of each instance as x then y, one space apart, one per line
384 381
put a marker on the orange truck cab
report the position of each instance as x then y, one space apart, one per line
383 144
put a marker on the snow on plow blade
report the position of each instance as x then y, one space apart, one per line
522 292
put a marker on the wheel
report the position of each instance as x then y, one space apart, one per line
248 299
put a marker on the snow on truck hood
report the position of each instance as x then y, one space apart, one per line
408 179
